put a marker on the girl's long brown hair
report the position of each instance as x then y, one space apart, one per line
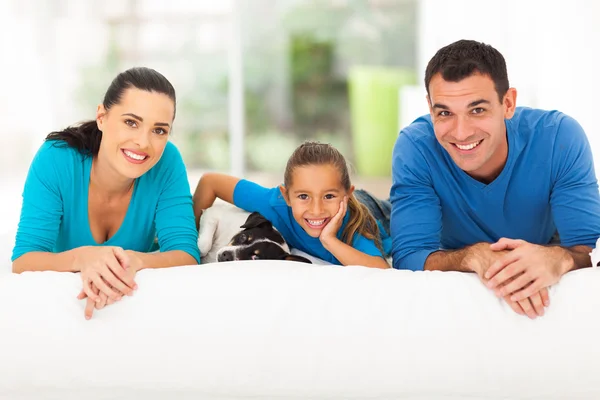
314 153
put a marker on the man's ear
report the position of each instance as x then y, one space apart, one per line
293 257
284 193
100 115
429 105
509 102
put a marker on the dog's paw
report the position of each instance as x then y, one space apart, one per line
206 234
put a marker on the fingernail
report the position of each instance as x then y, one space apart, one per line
87 317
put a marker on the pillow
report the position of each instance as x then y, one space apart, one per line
287 330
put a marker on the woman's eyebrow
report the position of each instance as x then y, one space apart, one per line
142 119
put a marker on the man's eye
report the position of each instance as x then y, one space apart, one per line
478 110
303 196
444 113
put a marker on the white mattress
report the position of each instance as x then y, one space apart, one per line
283 330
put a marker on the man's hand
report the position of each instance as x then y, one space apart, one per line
482 256
526 269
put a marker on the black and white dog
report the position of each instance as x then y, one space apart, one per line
258 240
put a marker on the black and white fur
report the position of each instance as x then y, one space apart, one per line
258 240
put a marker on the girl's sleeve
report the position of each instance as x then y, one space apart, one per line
42 206
252 197
366 246
175 224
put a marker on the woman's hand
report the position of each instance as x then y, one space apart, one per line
106 268
135 264
330 230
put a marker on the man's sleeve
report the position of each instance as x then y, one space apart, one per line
575 199
175 223
416 219
42 207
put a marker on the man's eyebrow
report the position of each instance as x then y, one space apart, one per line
142 119
478 102
471 104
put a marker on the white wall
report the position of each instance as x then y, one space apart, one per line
551 49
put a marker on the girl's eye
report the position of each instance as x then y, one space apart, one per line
160 131
329 196
131 123
303 196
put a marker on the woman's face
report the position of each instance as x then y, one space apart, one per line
135 131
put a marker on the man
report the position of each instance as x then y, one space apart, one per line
482 186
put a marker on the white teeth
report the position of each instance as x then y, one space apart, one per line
316 222
468 146
133 155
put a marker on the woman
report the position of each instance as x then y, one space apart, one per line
97 195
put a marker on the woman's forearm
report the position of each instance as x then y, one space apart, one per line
45 261
173 258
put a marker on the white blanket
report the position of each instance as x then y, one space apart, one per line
284 330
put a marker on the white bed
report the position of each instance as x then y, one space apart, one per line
282 330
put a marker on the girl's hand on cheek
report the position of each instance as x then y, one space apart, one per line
330 230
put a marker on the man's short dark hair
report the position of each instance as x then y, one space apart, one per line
463 58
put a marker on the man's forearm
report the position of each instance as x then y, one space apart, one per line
576 257
453 260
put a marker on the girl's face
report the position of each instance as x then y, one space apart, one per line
135 131
315 195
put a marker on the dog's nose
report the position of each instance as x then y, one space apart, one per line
225 256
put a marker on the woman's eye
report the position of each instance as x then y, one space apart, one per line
160 131
131 123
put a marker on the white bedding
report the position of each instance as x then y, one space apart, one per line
284 330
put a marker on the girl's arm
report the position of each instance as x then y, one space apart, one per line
347 255
211 186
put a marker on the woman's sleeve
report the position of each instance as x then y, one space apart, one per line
175 224
42 206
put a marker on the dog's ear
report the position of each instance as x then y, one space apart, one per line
293 257
255 220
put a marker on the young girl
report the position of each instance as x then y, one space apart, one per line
315 210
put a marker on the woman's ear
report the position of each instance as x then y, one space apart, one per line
284 193
100 115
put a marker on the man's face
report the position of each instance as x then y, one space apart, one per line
469 122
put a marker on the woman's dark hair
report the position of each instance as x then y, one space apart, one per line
86 136
461 59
